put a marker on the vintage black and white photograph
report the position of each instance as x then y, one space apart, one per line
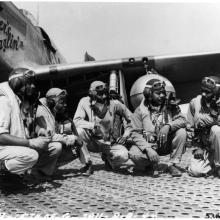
110 109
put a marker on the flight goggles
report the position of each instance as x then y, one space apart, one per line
102 89
28 74
209 83
60 95
156 85
63 94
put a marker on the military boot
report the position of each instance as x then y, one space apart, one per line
174 171
87 170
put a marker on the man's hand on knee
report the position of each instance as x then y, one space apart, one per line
54 146
72 140
152 155
39 143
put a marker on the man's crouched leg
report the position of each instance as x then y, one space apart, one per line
200 167
142 162
85 158
117 156
18 159
14 162
139 158
46 165
83 152
215 148
178 143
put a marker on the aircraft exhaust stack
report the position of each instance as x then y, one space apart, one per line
113 81
69 70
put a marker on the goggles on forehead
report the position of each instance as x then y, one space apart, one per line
209 83
28 74
102 89
63 94
156 85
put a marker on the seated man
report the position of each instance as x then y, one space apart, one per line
203 118
159 129
50 120
17 153
94 119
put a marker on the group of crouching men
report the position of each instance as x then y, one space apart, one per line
37 136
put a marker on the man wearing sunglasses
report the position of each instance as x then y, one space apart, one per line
159 129
18 150
203 118
52 120
95 117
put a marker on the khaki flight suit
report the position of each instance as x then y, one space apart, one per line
85 119
17 159
208 138
45 120
147 124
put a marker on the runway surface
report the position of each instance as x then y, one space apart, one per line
115 194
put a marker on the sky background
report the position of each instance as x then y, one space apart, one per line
110 30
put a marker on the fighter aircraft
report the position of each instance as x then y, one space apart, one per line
24 44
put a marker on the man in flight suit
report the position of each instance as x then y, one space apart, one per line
18 151
50 118
159 129
94 119
203 117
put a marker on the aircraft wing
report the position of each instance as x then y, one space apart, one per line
58 71
184 71
76 78
188 66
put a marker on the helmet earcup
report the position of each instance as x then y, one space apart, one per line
50 103
147 93
16 84
92 94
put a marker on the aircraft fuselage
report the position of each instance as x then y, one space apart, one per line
22 43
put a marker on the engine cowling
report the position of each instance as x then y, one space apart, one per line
136 93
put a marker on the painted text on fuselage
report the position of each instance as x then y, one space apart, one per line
9 41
